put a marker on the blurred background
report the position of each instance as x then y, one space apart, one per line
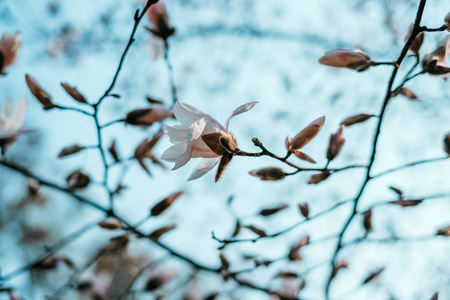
224 54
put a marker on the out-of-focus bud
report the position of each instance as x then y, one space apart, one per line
335 145
70 150
304 210
159 232
350 59
163 205
307 134
41 95
147 116
110 224
337 266
447 143
157 15
356 119
445 231
9 50
317 178
294 254
270 211
269 173
118 244
78 179
261 233
408 93
434 62
74 93
367 221
418 41
144 150
372 276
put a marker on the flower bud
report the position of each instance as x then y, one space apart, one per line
78 179
41 95
351 59
269 173
147 116
74 93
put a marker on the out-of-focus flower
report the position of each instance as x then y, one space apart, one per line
156 47
200 135
11 118
434 62
9 50
157 15
351 59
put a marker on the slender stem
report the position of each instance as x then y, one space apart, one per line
50 251
111 123
171 73
408 165
137 20
74 109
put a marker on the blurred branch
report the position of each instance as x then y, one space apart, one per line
225 242
50 251
408 165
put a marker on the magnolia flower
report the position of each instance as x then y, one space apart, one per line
434 62
11 118
200 135
9 50
351 59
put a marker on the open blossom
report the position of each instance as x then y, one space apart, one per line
434 62
351 59
191 137
12 118
9 48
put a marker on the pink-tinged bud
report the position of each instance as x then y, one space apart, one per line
157 15
9 50
351 59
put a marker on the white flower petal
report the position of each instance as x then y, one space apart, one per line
174 152
18 116
183 159
195 130
241 109
177 133
187 114
204 167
